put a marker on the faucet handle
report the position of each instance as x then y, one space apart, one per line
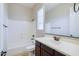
57 38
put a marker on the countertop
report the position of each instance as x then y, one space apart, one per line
63 47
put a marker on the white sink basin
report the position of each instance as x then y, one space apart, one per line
49 40
56 42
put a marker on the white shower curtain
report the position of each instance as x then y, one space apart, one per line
3 29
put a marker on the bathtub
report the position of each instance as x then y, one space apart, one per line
19 49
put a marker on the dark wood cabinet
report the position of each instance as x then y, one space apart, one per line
38 49
58 54
44 53
47 49
43 50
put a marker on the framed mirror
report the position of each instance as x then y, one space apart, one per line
60 19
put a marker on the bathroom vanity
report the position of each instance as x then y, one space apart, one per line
50 47
43 50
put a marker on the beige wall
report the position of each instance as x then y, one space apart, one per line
58 11
18 12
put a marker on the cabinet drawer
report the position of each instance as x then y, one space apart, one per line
38 43
47 49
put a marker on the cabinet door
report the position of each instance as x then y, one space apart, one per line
37 51
47 49
44 53
37 48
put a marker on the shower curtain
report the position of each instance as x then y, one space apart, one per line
3 28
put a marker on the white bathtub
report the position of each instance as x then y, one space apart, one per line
14 51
